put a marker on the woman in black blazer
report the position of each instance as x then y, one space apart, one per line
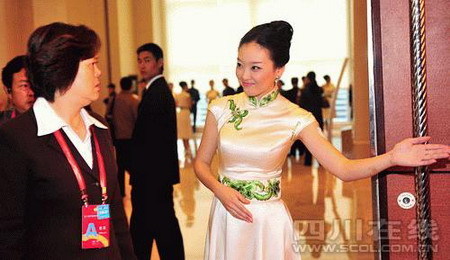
41 203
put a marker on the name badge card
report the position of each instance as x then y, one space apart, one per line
95 226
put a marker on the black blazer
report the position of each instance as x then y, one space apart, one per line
5 116
155 155
311 100
40 207
291 94
227 91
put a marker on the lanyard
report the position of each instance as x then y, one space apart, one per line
76 168
13 114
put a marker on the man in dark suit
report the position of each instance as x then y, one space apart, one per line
227 90
293 95
17 88
155 163
195 97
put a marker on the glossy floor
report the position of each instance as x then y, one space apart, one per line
332 218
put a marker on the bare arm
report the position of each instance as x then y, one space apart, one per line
410 152
205 153
231 199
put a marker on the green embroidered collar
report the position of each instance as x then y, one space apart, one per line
264 101
237 115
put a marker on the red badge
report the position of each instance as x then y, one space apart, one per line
95 226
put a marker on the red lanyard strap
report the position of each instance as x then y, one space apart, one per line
101 167
13 114
76 168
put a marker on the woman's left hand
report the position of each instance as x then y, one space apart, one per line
414 152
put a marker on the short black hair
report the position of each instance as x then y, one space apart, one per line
112 85
274 36
12 67
326 77
294 81
183 84
54 54
154 49
126 83
311 75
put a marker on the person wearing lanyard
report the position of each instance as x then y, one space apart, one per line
17 88
58 180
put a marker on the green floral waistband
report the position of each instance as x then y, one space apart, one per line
254 189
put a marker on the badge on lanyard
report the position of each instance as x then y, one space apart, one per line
95 219
95 226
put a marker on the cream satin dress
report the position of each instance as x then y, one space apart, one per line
255 137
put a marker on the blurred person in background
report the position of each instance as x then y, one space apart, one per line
110 102
17 88
311 100
328 92
212 94
124 116
184 102
227 89
195 97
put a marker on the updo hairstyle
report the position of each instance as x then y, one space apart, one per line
274 36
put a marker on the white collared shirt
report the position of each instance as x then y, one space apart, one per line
48 122
153 80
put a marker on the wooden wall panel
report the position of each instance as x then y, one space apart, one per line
397 72
438 71
392 47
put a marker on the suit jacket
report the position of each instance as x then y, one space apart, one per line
195 95
311 100
291 95
155 155
5 116
40 208
228 91
124 114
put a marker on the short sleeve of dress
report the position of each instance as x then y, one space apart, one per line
303 119
218 108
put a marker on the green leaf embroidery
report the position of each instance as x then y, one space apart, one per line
254 189
237 114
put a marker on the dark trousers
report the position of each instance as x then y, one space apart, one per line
123 159
194 114
153 218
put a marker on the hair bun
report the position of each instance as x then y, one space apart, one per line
283 28
275 36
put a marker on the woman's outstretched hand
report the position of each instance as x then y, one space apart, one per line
234 202
414 152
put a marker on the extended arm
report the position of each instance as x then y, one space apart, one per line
410 152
